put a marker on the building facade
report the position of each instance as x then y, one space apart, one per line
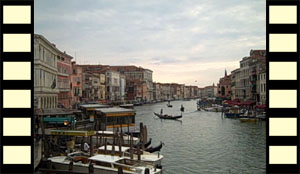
45 73
235 81
76 84
210 91
224 87
64 67
113 92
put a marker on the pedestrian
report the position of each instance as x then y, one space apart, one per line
86 147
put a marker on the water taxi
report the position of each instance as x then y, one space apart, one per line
104 164
88 110
114 117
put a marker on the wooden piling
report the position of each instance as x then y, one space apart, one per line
139 153
97 137
131 150
141 132
120 170
105 146
91 168
91 146
71 166
120 147
113 145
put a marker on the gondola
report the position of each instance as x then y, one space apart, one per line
154 149
165 116
145 145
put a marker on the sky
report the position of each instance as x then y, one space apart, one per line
181 41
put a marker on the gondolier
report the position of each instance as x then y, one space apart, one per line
182 108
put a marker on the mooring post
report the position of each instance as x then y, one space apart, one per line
105 146
120 170
120 147
147 171
113 145
139 153
91 168
91 146
71 166
131 150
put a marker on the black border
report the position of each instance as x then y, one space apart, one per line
15 84
282 84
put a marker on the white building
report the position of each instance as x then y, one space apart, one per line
262 87
45 73
122 87
244 84
113 85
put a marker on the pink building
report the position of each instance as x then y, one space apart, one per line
77 84
224 86
64 79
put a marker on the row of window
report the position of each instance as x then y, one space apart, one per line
47 56
44 79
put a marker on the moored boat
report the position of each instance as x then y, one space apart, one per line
146 156
252 120
232 115
104 164
154 149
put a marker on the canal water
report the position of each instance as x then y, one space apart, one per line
203 142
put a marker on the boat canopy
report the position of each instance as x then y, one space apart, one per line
106 158
115 111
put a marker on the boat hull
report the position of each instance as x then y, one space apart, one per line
84 168
249 120
232 115
170 117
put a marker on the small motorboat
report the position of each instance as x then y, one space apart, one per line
166 116
154 149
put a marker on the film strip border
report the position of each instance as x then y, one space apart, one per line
16 87
282 38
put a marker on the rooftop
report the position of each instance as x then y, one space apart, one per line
114 110
94 106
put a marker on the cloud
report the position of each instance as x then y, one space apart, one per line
180 40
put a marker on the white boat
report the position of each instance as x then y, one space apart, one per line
154 159
104 164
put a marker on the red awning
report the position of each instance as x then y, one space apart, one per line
264 106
